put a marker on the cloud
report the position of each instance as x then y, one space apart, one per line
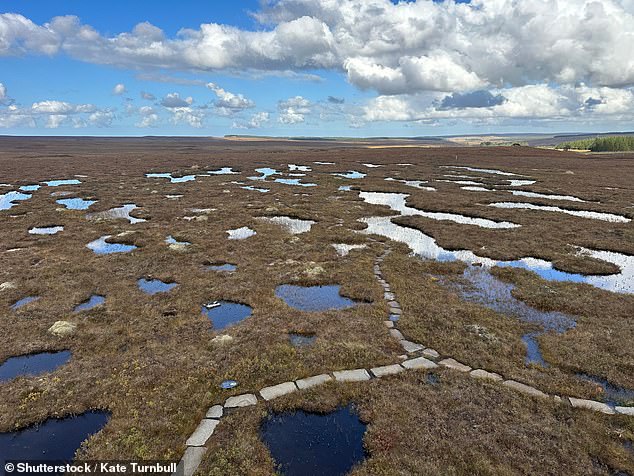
148 96
256 121
480 98
149 117
335 100
173 100
118 89
229 103
5 100
293 110
394 48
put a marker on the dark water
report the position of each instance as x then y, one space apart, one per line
154 286
32 364
302 340
313 298
487 290
226 313
222 267
307 444
94 301
55 439
613 394
24 301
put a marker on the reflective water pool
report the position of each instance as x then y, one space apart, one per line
32 364
224 314
313 298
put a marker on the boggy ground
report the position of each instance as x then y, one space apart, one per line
150 360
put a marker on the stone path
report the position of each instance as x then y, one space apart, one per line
417 356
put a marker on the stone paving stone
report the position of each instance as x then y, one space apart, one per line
625 410
419 363
410 346
526 389
356 375
394 305
396 311
431 353
308 382
396 334
389 296
591 405
455 365
214 412
386 370
389 324
274 391
190 461
483 374
243 400
202 433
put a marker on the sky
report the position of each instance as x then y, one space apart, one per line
315 67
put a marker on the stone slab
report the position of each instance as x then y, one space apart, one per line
395 310
389 296
394 305
455 365
243 400
202 433
484 375
625 410
356 375
411 347
386 370
396 334
214 412
308 382
274 391
389 324
419 363
591 405
431 353
190 461
522 388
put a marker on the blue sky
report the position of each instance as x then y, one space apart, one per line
309 67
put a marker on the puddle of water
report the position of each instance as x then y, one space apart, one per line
222 267
184 178
460 182
55 439
227 384
32 364
170 240
475 169
122 212
76 203
255 189
24 301
101 246
301 340
241 233
425 246
313 298
303 443
372 166
547 196
264 172
7 200
413 183
396 202
345 188
324 163
344 249
610 217
533 353
92 302
300 168
45 230
223 171
30 188
520 183
297 182
294 226
173 197
155 286
224 314
613 394
353 174
59 183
